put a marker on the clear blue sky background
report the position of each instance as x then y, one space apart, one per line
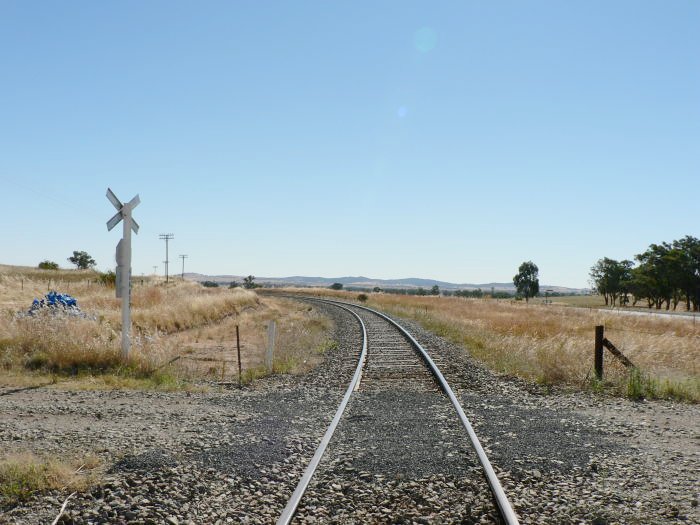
447 140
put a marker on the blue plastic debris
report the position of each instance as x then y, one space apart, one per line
60 299
55 301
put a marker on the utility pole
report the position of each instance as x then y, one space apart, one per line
123 284
155 269
166 237
183 257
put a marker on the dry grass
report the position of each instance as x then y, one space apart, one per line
302 337
554 344
72 346
183 320
21 475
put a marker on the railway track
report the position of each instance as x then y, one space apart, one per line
395 415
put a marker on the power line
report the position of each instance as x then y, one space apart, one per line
166 237
183 257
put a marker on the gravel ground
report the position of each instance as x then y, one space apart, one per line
578 457
235 456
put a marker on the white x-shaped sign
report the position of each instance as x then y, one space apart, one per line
111 223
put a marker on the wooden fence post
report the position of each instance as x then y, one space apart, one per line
223 362
238 348
599 336
269 356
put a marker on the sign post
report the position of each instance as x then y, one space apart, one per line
123 256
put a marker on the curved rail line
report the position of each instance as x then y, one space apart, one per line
504 507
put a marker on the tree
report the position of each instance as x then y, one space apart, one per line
249 282
624 280
48 265
478 293
336 286
689 279
658 269
612 279
82 260
435 290
362 298
234 284
666 274
210 284
526 280
377 289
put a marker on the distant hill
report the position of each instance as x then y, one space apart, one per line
368 282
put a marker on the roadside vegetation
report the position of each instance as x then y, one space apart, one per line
180 335
553 345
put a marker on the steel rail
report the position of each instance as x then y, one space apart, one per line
293 502
504 505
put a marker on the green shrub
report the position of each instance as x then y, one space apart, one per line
48 265
109 278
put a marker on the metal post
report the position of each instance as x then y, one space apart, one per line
238 348
599 336
271 329
126 283
123 257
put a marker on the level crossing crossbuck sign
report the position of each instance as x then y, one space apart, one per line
123 256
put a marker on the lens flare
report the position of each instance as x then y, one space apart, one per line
425 39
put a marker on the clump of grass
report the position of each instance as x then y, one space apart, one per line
22 475
326 346
251 374
641 385
160 380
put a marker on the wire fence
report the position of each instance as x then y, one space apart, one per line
636 331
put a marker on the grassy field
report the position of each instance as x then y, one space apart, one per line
181 334
553 344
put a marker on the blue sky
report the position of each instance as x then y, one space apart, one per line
447 140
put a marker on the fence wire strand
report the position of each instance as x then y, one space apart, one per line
615 329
